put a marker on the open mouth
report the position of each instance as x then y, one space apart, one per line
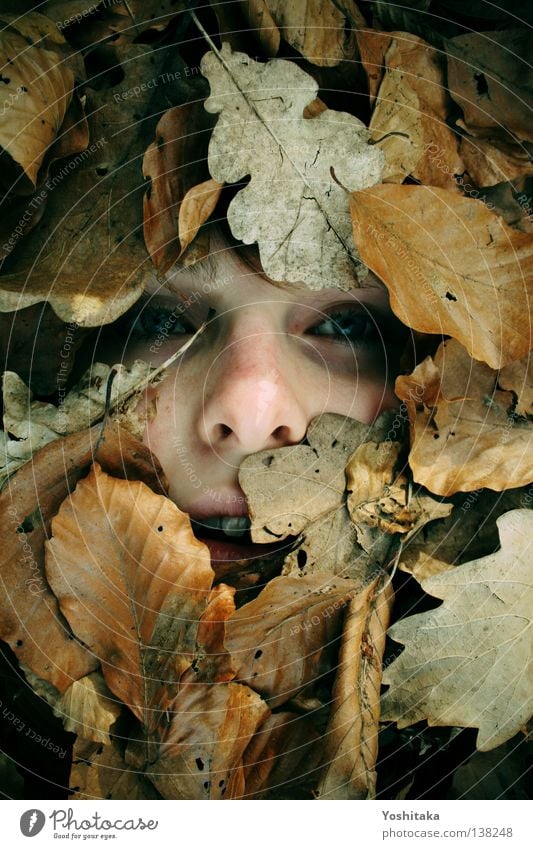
229 540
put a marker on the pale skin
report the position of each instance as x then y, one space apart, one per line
270 359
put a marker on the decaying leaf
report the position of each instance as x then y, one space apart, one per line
518 377
351 738
292 207
318 29
30 620
380 496
284 752
201 756
396 125
89 709
488 163
30 425
451 266
37 87
286 637
132 581
463 433
468 663
489 76
100 772
176 164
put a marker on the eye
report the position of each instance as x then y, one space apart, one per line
151 321
348 326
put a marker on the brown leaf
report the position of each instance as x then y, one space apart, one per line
132 581
489 163
373 45
285 638
462 437
91 263
465 663
175 163
197 206
37 88
396 125
284 754
447 260
381 498
518 377
318 29
89 709
201 756
30 620
489 76
100 772
351 738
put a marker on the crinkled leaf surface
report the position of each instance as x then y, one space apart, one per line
100 772
89 709
132 581
468 662
292 206
451 267
464 434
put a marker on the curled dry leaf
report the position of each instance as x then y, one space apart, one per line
286 638
467 662
201 756
351 738
30 425
100 772
37 86
463 435
292 207
175 163
89 709
373 46
490 163
30 621
489 76
518 377
380 497
318 29
451 266
132 581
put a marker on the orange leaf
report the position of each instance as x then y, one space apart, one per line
132 581
451 267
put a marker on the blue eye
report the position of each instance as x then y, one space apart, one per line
349 326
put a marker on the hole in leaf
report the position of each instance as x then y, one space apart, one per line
206 785
160 528
267 461
301 558
200 764
19 643
258 654
435 436
101 172
221 783
481 84
450 296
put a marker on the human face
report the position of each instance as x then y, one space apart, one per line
270 360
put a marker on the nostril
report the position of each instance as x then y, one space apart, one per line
223 431
281 434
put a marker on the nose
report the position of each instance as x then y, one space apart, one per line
253 400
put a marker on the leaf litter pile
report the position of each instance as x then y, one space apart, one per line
388 653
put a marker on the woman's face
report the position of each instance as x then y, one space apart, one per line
269 361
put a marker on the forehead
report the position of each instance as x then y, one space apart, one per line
226 266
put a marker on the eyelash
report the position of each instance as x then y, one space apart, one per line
169 322
363 327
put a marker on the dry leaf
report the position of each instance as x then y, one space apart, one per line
489 163
292 206
467 662
30 621
284 753
489 76
373 45
318 29
518 377
91 263
89 709
175 163
30 425
37 88
380 498
132 581
351 738
285 638
100 772
396 125
451 267
201 755
462 434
